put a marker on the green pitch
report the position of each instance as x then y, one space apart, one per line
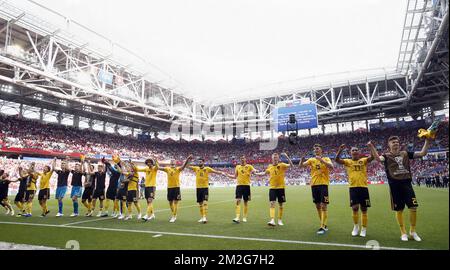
299 232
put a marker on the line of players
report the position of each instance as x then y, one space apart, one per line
123 186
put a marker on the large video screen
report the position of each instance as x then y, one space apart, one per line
304 111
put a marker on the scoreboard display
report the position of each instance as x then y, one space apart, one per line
305 115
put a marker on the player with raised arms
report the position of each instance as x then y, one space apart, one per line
242 173
320 179
398 171
276 171
173 185
202 183
151 171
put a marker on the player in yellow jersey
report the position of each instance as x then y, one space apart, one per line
320 179
44 187
202 183
32 177
242 173
356 168
132 178
277 171
151 171
173 185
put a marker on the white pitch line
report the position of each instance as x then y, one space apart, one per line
157 211
86 221
209 236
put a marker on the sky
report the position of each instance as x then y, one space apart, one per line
231 48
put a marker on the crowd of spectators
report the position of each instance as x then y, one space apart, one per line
19 133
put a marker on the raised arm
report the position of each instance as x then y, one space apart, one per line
303 163
186 163
424 150
53 165
338 154
374 152
288 159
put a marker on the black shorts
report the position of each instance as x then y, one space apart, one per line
99 194
320 194
3 195
402 193
87 194
44 194
173 194
359 195
20 196
29 195
132 196
277 194
202 194
111 193
243 192
150 192
121 194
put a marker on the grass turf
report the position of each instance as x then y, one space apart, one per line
300 218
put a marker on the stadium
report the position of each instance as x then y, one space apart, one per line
173 129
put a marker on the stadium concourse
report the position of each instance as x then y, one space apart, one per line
22 137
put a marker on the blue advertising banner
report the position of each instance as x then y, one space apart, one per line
305 116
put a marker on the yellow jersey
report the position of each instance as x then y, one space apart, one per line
150 175
320 174
134 180
32 181
277 174
45 180
356 172
173 176
202 176
243 173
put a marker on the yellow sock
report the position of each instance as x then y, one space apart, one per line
175 208
245 210
29 207
399 216
202 211
172 208
238 211
129 209
149 209
19 206
280 212
355 217
116 206
205 209
324 218
364 220
86 205
138 207
272 212
413 219
319 213
107 204
43 208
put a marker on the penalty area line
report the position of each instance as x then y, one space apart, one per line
331 244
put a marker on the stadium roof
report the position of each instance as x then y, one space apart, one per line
239 47
50 58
